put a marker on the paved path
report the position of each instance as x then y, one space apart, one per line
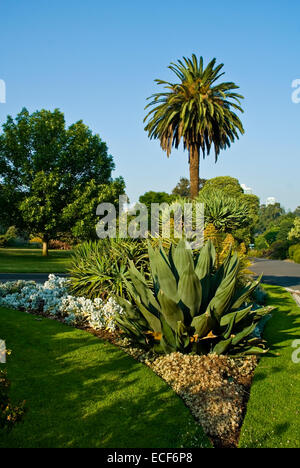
278 272
38 277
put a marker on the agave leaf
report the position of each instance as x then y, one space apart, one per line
244 293
170 310
239 315
222 271
182 257
259 313
230 326
168 341
202 324
142 288
254 350
165 278
190 291
222 299
223 346
131 311
182 335
206 260
246 332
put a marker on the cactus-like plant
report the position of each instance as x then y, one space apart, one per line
192 306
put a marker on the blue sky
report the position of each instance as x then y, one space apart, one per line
96 61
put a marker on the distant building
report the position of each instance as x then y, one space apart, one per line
247 190
270 201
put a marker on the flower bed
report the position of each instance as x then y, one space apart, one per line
215 388
53 299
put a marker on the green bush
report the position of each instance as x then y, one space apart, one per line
226 213
193 307
10 234
278 250
293 249
296 256
260 242
98 268
9 414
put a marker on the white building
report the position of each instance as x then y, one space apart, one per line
247 190
270 201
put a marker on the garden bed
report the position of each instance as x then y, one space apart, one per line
215 388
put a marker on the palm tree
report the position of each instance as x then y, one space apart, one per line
196 110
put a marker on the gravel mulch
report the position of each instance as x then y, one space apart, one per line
215 388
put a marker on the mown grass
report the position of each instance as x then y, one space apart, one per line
32 261
83 392
273 412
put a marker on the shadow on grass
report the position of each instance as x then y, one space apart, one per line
83 392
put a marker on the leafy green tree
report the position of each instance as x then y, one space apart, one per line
271 235
195 110
267 216
42 208
183 188
297 211
46 164
9 200
156 197
80 212
231 187
294 233
226 184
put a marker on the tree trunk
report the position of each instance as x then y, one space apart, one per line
194 171
45 248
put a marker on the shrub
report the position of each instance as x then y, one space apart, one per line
56 244
9 414
278 250
296 256
257 253
260 242
193 307
293 250
98 268
10 234
226 213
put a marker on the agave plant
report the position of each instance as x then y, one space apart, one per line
193 306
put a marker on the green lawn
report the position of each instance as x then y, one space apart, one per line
32 261
84 392
273 413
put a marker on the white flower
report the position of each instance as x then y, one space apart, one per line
53 298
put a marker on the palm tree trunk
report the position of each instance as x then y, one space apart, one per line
194 170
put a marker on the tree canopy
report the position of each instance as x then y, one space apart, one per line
45 167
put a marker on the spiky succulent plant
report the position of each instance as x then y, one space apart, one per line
192 306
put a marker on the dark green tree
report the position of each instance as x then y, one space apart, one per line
48 165
267 216
183 188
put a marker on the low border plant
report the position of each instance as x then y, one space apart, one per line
53 299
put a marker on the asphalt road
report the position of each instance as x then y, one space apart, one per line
278 272
38 277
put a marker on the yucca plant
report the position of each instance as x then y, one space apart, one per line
98 268
193 306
